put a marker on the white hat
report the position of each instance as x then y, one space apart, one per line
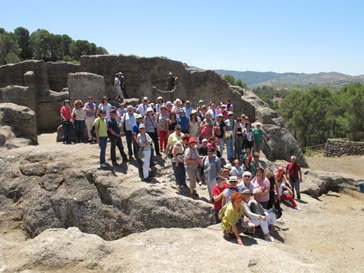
160 98
247 173
149 109
204 140
259 124
141 126
233 178
145 98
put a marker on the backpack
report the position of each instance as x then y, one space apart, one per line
205 131
222 211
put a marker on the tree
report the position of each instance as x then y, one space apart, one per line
22 37
100 50
81 47
230 79
40 41
241 84
66 40
12 58
8 45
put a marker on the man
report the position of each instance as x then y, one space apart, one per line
127 121
135 131
188 108
142 109
115 137
200 104
246 183
174 138
183 121
122 85
171 81
230 124
202 150
293 173
117 86
258 137
90 109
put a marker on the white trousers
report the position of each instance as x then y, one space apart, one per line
146 163
89 123
210 184
271 220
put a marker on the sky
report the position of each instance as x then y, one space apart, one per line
257 35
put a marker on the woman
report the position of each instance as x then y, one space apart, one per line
105 106
248 137
191 161
178 160
207 126
202 112
217 194
212 168
101 135
229 106
144 141
177 106
223 111
171 123
162 118
169 105
220 131
255 212
79 119
261 182
285 193
248 165
194 126
212 144
239 136
66 121
230 219
151 128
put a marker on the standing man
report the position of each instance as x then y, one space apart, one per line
171 81
90 109
294 174
117 86
127 121
258 138
142 109
115 137
122 85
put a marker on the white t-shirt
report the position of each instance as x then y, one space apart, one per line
106 108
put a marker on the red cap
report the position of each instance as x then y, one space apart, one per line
192 140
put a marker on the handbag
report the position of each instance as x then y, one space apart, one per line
229 134
140 153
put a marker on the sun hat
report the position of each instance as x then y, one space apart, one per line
192 140
169 103
149 109
246 173
163 106
193 112
230 113
145 98
141 126
220 115
233 178
259 124
246 191
138 116
160 98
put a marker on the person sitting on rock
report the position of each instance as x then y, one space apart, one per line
226 195
280 174
231 222
257 214
217 194
261 182
284 193
171 81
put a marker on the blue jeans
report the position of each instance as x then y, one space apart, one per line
67 129
102 145
230 147
129 141
295 182
180 173
79 128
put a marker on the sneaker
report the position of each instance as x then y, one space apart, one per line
269 239
104 165
200 183
147 179
179 188
297 208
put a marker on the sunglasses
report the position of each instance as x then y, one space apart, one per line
246 175
178 129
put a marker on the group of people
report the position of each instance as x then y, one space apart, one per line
195 139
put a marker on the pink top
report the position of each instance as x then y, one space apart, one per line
224 114
263 185
66 112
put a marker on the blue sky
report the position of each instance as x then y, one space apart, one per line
256 35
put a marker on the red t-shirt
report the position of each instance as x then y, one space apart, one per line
66 112
216 191
279 175
292 170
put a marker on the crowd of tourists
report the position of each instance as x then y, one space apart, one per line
244 192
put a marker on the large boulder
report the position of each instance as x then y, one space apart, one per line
83 84
21 119
15 94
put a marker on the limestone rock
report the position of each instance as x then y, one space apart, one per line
21 119
83 84
72 135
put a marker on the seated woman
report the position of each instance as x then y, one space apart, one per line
284 193
231 217
256 213
261 182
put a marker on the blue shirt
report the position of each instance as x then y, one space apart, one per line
135 128
114 125
183 121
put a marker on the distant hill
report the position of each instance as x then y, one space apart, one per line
253 79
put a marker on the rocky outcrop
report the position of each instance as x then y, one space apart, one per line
339 147
83 84
15 94
57 73
21 119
